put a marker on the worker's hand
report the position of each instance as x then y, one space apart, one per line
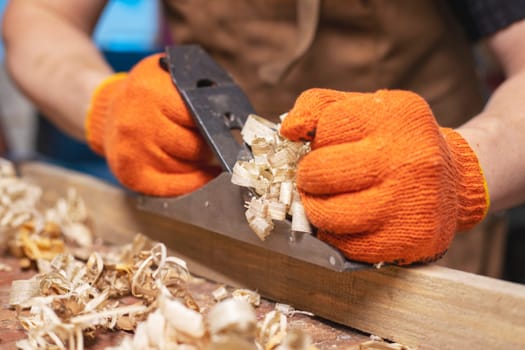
383 182
139 122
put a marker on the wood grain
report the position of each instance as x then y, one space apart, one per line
426 307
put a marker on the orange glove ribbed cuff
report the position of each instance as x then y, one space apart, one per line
473 201
98 111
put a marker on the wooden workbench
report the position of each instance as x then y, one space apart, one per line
424 307
325 335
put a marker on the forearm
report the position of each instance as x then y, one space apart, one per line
497 134
497 137
53 61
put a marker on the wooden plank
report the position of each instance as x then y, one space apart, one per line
427 307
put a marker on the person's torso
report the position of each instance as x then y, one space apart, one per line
275 49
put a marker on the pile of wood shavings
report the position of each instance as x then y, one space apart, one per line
136 287
271 174
33 233
71 300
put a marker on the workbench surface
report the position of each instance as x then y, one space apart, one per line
325 335
426 306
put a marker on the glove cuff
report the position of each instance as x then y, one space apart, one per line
98 111
472 191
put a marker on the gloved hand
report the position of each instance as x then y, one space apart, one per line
383 182
139 122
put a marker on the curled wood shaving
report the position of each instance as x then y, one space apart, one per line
253 298
259 218
258 128
183 319
232 316
289 311
220 293
272 331
271 174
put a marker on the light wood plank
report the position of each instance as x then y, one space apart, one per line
427 307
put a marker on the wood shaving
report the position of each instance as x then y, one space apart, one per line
289 311
296 339
232 316
5 267
379 265
377 343
220 293
272 331
271 174
382 345
253 298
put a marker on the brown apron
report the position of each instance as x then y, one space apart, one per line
275 49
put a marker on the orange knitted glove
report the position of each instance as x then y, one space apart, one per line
383 183
139 122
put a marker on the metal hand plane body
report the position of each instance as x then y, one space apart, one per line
218 105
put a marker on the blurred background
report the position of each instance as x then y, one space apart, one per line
128 31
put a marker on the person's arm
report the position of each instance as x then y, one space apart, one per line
136 120
497 135
51 57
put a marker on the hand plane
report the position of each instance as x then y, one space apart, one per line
219 106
